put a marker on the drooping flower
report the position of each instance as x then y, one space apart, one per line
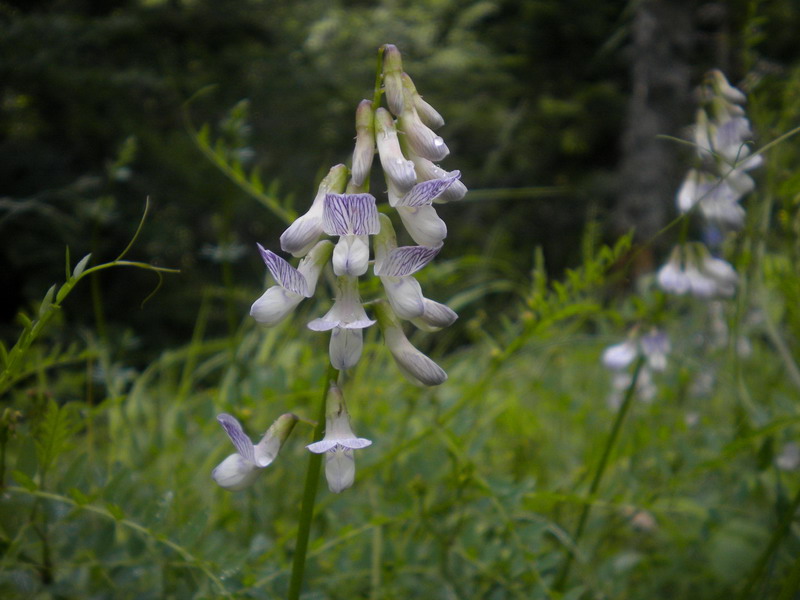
293 285
418 216
398 170
417 367
426 170
429 115
396 266
421 139
240 469
619 356
393 78
338 443
344 320
692 269
303 233
353 217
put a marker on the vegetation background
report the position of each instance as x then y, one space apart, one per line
217 110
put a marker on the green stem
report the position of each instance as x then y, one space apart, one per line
599 471
309 498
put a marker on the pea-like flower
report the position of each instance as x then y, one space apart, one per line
417 367
338 443
353 217
240 469
303 233
692 269
418 216
398 170
344 320
293 285
364 150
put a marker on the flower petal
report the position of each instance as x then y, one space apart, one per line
423 225
274 305
235 473
237 435
427 191
340 469
346 214
284 274
322 446
405 260
345 348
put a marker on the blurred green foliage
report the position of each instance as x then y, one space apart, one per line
221 111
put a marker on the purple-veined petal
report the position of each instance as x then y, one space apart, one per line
355 443
427 191
350 214
285 275
405 260
322 446
237 435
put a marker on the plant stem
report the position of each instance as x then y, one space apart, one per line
309 498
774 542
599 470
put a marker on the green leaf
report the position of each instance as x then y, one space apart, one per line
48 300
81 266
115 511
23 480
80 498
54 432
62 293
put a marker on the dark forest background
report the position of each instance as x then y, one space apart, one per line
553 110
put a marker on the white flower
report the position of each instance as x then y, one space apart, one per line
292 284
721 87
239 470
655 347
417 367
427 113
364 150
306 229
338 443
353 217
421 138
427 170
691 268
399 171
418 216
345 320
395 267
435 316
619 356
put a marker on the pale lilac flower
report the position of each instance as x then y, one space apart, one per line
620 356
426 170
352 217
293 285
655 347
303 233
427 113
420 138
691 268
435 316
418 216
417 367
395 267
338 443
398 170
344 320
239 470
364 150
722 88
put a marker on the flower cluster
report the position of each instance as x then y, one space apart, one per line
407 146
654 346
343 209
715 187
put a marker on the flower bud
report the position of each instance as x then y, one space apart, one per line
426 112
365 144
417 367
392 78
